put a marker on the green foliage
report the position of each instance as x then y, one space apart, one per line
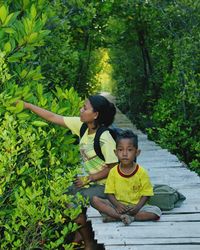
69 57
103 77
4 71
60 57
176 118
49 49
38 161
21 34
37 165
156 69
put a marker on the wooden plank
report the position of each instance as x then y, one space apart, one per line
149 241
172 181
193 179
154 247
158 154
161 164
149 230
165 218
191 187
185 208
176 172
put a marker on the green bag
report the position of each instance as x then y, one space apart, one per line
166 197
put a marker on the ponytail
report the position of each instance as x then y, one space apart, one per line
106 110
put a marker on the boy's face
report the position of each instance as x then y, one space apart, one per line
126 152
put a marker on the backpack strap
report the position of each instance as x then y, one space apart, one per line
83 129
97 146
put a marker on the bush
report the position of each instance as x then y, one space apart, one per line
37 164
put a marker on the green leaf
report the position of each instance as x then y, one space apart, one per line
7 47
2 34
3 13
15 57
12 42
23 73
23 116
12 109
43 101
8 18
25 4
17 243
33 11
33 37
9 30
11 18
19 107
39 123
23 184
65 230
40 89
7 236
62 110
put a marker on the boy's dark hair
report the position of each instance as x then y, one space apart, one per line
127 134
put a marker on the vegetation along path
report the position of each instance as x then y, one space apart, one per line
179 228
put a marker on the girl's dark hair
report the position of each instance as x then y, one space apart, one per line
105 109
128 134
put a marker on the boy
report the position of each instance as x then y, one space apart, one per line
128 186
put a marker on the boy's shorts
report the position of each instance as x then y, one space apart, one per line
151 209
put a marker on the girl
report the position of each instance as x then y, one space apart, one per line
96 112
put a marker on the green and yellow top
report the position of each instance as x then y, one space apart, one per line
91 162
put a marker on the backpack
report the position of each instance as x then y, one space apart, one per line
166 197
114 131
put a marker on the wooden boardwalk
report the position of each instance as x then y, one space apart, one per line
178 229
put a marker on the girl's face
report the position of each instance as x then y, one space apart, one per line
126 152
87 113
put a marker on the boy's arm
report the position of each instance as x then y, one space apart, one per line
119 207
135 209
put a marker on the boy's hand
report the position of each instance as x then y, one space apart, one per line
121 208
132 210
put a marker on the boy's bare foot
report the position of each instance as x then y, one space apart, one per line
126 219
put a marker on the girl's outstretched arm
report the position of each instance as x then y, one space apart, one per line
45 114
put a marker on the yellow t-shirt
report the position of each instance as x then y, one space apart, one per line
128 189
92 163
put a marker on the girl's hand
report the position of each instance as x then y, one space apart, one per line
24 103
81 181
